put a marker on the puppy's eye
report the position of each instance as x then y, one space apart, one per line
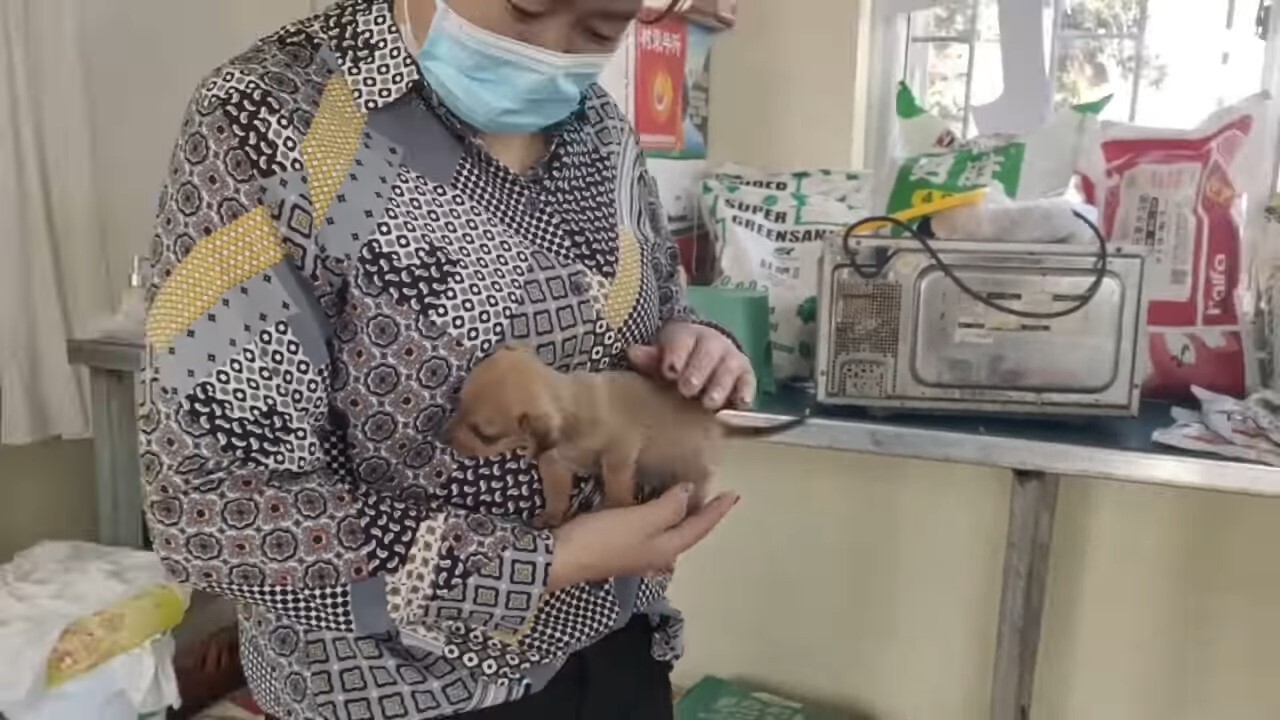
483 436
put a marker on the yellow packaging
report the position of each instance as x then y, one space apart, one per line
93 640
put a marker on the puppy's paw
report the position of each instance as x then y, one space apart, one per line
549 518
697 498
665 572
615 501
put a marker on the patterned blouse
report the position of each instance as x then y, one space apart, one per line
335 251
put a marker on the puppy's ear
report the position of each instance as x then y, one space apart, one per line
543 431
518 347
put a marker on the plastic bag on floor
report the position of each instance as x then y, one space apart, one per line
50 600
138 684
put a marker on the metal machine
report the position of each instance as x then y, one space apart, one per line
895 332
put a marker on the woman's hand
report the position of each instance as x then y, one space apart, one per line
637 540
701 361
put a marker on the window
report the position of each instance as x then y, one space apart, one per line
1165 62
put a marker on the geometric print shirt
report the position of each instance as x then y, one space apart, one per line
335 250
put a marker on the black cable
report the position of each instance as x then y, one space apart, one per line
1086 298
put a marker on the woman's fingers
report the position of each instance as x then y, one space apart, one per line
645 359
677 348
744 391
674 542
706 357
724 381
657 516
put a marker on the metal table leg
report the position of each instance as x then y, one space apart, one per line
1026 572
115 450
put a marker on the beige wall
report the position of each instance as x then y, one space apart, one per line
783 85
48 494
873 582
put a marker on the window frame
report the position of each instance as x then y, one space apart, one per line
892 48
1058 38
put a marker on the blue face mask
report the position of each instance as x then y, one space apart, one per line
499 85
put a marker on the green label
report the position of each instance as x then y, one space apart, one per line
716 699
808 310
926 178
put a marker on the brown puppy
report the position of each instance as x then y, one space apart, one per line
619 424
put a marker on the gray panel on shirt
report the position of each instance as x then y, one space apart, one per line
361 201
233 323
286 194
403 133
369 607
428 147
627 589
308 322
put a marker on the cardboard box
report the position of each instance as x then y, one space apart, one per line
697 255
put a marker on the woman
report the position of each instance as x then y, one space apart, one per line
359 209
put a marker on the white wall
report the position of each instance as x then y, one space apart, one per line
146 57
874 582
856 580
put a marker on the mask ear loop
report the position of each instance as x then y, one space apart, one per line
406 28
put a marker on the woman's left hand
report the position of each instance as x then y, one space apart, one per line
702 363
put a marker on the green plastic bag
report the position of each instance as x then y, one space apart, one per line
933 162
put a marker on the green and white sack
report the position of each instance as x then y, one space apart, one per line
851 187
772 241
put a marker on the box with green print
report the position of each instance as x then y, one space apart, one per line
713 698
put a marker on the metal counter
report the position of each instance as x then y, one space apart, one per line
1106 448
113 366
1038 452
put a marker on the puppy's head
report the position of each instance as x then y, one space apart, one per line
506 404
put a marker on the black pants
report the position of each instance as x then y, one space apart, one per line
615 679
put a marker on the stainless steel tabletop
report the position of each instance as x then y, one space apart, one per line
106 354
1108 448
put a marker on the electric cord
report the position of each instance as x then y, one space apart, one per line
1087 297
